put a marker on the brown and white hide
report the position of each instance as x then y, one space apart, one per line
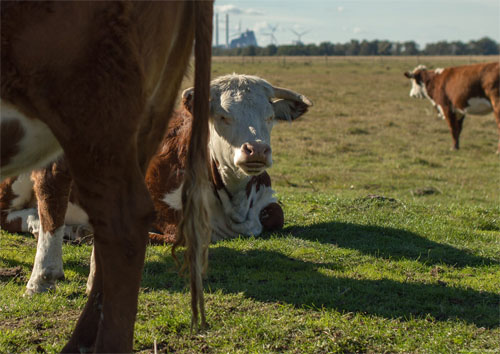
458 91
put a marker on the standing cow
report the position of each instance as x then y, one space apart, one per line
458 91
98 80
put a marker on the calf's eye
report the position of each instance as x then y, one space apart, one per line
225 120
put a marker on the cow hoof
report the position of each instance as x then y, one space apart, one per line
42 284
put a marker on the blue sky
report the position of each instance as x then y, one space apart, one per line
423 21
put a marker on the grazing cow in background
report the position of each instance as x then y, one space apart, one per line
243 110
458 91
98 80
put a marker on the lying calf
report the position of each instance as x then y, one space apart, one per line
243 111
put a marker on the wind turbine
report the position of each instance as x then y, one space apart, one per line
272 38
299 36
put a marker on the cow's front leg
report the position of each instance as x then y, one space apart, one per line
120 212
52 186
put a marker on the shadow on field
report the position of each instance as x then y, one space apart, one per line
388 243
270 276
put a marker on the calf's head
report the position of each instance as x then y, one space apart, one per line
243 110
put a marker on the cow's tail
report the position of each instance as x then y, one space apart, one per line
194 227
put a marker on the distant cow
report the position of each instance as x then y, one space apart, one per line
458 91
243 110
98 80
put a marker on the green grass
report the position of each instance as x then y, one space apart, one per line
391 241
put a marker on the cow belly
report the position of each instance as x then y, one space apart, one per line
75 215
22 190
479 106
25 143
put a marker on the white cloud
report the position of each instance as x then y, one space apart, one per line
357 30
232 9
340 8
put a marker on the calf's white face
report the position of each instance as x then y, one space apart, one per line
243 110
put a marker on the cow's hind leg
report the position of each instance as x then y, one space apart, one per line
455 122
52 186
496 111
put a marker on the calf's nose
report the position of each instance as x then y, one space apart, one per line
255 150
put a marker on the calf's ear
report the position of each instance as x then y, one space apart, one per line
290 105
188 98
288 109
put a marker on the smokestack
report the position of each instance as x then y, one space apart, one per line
227 30
216 29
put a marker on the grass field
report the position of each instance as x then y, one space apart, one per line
391 240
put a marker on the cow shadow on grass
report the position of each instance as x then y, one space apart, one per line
270 276
387 243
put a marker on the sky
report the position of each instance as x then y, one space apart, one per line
339 21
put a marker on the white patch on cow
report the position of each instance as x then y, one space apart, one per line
75 215
37 148
440 110
24 215
22 188
418 91
174 198
439 70
239 215
48 265
478 105
90 279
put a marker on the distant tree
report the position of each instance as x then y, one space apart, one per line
352 48
326 48
367 48
340 49
410 48
438 48
484 46
458 48
250 51
311 49
396 48
271 49
384 48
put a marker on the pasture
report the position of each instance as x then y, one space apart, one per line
391 240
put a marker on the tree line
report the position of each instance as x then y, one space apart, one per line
483 46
